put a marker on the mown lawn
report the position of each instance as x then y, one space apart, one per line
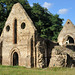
16 70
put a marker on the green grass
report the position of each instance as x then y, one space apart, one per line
16 70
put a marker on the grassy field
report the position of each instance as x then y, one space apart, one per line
16 70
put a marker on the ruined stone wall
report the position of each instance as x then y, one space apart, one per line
44 50
62 57
41 51
58 59
67 30
50 46
25 31
20 36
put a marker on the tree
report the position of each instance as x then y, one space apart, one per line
47 24
56 26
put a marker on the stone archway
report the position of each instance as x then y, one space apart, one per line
70 40
15 59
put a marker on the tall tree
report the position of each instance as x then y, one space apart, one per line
47 24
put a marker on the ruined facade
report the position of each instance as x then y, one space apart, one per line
17 37
21 45
63 55
19 42
67 34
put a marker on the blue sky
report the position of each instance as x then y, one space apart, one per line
65 8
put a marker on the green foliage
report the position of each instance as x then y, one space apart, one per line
47 24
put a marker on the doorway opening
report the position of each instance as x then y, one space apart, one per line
70 40
15 59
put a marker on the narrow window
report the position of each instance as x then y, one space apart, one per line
15 31
32 56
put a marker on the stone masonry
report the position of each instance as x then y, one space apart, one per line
20 44
67 34
17 35
18 41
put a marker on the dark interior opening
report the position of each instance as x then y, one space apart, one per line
68 22
32 58
7 28
15 59
1 45
70 39
15 32
23 25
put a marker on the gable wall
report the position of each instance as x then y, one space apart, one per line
68 30
23 37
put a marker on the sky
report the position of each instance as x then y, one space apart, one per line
64 8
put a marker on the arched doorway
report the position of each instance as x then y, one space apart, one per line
15 59
69 40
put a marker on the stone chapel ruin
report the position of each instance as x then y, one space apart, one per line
20 44
67 34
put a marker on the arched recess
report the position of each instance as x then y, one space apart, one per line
69 39
15 57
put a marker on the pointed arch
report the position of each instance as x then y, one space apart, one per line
15 57
69 39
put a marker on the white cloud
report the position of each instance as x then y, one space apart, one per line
47 5
62 11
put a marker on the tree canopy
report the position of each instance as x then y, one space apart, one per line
47 24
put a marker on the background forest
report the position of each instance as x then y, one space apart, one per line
47 24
